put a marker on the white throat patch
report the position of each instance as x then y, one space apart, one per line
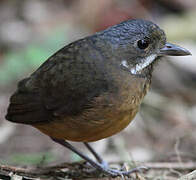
144 63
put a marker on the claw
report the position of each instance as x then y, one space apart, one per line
115 172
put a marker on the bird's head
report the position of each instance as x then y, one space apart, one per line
140 43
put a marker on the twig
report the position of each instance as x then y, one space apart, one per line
39 171
190 176
173 165
81 169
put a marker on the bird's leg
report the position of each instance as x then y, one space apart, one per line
72 148
104 163
97 156
90 161
100 167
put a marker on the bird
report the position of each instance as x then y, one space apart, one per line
92 88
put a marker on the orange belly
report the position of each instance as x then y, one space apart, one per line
87 130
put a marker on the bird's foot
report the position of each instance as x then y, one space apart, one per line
105 169
104 164
123 173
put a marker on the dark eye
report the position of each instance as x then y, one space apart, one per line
143 43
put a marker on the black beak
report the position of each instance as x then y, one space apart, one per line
173 50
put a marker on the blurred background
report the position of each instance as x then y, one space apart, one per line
165 127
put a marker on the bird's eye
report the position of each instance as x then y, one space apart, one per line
143 43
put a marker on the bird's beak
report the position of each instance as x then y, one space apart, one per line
173 50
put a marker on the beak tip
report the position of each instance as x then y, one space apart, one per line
187 53
174 50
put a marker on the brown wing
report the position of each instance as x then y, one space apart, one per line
64 85
26 107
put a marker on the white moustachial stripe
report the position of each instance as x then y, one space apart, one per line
143 64
124 63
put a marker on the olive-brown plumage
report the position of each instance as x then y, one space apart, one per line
93 87
83 93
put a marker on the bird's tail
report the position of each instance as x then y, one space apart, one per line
25 107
